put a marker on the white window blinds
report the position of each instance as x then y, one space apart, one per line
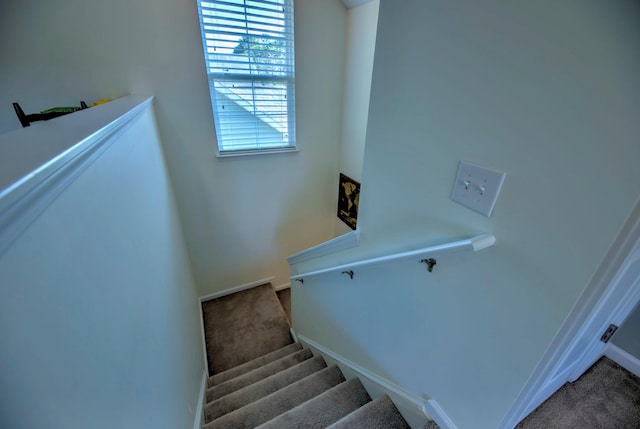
250 63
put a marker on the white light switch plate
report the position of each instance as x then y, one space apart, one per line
477 187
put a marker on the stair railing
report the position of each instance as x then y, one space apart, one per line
426 255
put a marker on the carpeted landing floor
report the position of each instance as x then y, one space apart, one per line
243 326
606 396
260 378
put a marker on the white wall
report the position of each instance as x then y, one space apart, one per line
241 217
98 318
547 92
362 22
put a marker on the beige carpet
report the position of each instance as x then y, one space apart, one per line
606 396
307 395
243 326
288 388
284 296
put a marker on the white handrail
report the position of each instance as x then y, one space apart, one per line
472 244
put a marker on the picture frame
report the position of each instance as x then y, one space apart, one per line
348 200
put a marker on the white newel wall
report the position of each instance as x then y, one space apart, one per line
98 315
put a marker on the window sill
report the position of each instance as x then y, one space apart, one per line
233 154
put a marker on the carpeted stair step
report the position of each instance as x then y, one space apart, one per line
278 402
324 409
262 388
222 389
378 414
253 364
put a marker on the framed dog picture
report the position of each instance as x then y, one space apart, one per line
348 199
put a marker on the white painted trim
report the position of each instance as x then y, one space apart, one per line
623 358
282 287
592 353
422 405
24 199
198 419
613 352
236 289
473 244
203 338
549 388
598 305
615 308
342 242
235 154
433 410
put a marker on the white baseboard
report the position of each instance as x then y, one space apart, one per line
574 371
282 287
432 409
198 420
202 338
236 289
545 392
622 358
427 408
589 357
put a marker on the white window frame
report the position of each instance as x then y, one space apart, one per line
243 71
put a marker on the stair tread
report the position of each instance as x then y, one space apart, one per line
381 413
324 409
260 373
258 390
253 364
280 401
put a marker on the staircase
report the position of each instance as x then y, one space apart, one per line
285 387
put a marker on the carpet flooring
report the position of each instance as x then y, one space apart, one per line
286 388
606 396
243 326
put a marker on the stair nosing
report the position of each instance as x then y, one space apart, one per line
254 371
211 379
266 381
211 424
352 383
365 409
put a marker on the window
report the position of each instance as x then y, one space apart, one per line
248 48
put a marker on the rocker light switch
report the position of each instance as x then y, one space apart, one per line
477 187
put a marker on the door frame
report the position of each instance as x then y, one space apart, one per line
610 297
